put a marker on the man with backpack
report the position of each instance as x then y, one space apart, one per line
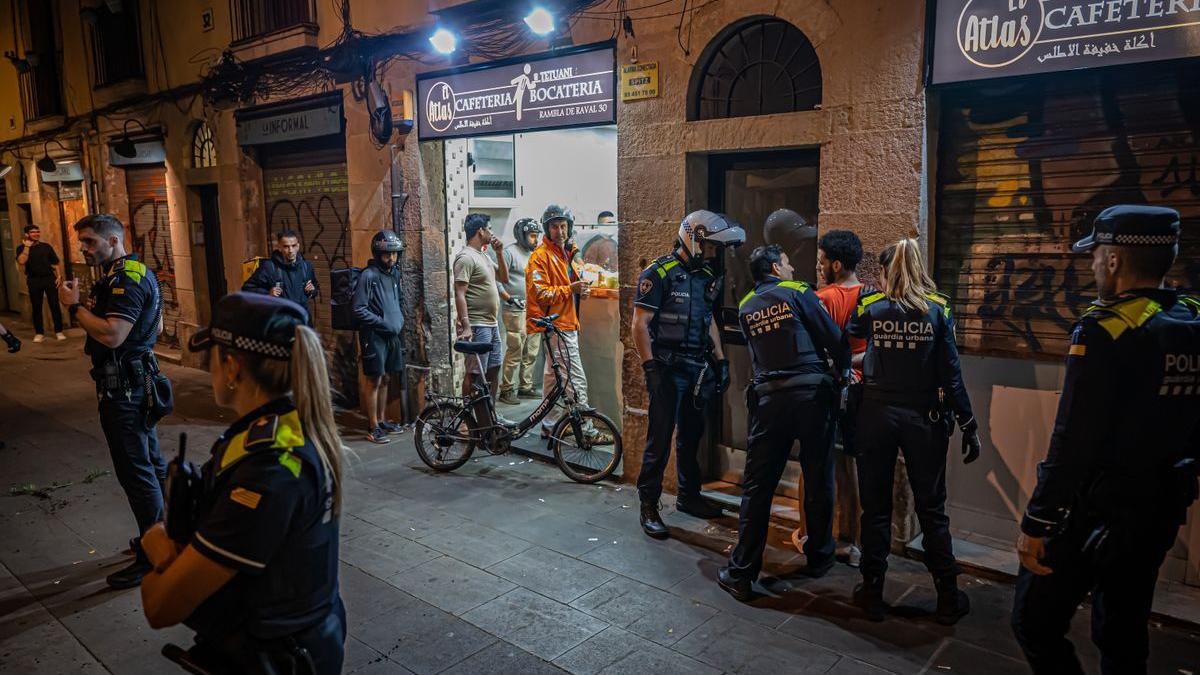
286 274
379 314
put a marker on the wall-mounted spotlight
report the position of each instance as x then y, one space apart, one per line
443 41
540 21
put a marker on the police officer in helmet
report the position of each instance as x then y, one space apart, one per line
684 365
913 393
253 569
792 397
1120 472
122 324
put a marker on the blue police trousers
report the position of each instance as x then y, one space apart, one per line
883 430
1122 588
139 466
673 403
776 422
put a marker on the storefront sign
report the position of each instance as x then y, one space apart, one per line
639 81
979 39
292 125
561 89
148 152
64 172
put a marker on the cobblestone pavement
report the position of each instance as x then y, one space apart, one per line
502 567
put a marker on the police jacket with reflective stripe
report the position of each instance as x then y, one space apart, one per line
910 354
1128 412
789 332
682 300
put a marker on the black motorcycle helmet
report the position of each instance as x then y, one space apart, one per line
386 241
523 228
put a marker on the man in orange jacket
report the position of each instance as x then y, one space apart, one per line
550 290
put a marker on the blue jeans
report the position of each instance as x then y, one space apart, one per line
139 466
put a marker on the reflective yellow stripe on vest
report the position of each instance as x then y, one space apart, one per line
663 269
868 299
1125 315
288 434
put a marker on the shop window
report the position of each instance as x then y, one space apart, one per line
493 171
760 66
254 18
116 44
204 149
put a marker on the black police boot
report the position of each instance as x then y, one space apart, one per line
869 596
952 604
131 576
818 569
740 589
652 523
699 507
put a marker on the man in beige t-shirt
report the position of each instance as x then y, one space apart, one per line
477 299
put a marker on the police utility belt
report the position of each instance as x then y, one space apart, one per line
774 384
120 377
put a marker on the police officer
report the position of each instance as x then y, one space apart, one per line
122 325
912 384
256 576
675 336
791 397
1120 472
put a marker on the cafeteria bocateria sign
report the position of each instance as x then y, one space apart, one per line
979 39
559 89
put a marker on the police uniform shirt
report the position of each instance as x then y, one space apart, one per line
129 291
268 514
1128 407
909 354
789 332
682 304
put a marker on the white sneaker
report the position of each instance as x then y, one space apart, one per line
39 337
60 337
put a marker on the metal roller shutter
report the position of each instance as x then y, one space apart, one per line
1024 167
150 234
305 190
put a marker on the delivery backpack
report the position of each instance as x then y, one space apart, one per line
251 266
341 299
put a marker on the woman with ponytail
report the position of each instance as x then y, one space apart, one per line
252 566
912 394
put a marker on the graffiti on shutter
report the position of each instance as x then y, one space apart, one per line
1024 167
150 235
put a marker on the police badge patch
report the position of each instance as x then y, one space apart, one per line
644 287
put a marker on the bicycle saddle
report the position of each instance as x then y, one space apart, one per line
464 347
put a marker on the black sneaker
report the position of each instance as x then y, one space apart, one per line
952 604
869 596
390 428
740 589
652 523
698 507
129 577
378 435
817 570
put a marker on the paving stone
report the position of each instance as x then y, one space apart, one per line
423 638
453 586
570 536
552 574
956 656
42 645
618 652
644 610
848 666
114 630
648 561
475 544
411 519
535 623
897 645
503 657
367 597
738 646
384 554
769 610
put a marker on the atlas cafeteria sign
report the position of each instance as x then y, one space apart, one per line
555 90
979 39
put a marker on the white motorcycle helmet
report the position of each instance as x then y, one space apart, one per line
701 226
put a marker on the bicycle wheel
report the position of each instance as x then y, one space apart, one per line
586 445
444 435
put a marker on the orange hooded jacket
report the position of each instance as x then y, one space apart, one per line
548 288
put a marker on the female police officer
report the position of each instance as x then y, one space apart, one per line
257 580
911 375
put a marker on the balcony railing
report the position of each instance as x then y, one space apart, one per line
116 45
254 18
40 96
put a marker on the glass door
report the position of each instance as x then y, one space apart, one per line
748 187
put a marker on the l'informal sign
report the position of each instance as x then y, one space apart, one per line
979 39
546 91
639 81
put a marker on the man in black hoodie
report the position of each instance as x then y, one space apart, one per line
286 274
378 308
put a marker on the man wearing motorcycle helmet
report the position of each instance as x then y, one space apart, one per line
520 350
379 309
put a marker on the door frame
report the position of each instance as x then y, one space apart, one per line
208 199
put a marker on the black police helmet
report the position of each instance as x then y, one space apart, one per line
386 241
251 322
